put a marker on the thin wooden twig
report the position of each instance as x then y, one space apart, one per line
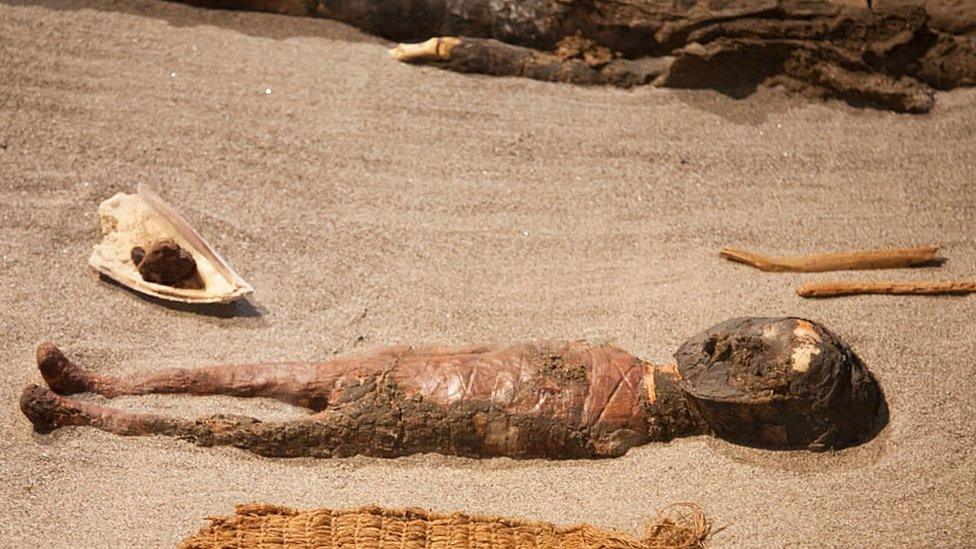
835 289
872 259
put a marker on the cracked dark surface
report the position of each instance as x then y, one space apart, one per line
893 57
780 383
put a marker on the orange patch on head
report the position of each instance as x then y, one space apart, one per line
804 329
807 345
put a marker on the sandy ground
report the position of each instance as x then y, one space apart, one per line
371 203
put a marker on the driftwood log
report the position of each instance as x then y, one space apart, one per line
770 382
892 55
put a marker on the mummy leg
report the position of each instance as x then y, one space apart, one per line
300 383
325 434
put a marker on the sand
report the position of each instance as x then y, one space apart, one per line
371 202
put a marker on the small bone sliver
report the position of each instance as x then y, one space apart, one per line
435 49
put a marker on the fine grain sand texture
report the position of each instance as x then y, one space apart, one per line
371 202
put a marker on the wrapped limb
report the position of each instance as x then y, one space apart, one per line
554 400
328 434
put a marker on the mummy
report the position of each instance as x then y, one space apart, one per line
768 382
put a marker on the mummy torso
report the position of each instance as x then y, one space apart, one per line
534 399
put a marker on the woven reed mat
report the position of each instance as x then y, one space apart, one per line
267 526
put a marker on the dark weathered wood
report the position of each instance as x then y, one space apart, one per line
892 57
584 64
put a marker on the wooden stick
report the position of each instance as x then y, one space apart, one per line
872 259
834 289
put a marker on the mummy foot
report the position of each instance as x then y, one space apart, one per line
47 411
61 375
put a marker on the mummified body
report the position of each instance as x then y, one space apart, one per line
535 399
548 399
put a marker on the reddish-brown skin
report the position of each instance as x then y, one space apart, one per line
541 399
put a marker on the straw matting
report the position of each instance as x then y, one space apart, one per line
267 526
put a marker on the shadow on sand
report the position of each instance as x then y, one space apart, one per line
241 309
264 25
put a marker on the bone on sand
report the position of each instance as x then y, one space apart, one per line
841 261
